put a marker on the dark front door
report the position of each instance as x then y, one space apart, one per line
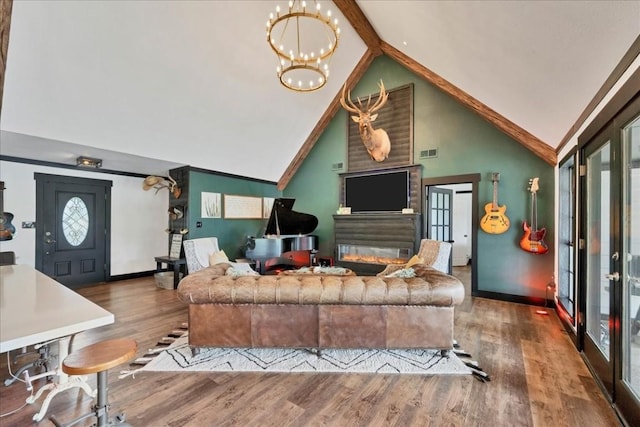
72 234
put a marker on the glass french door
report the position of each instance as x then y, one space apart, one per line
599 298
440 215
440 208
566 239
611 259
627 384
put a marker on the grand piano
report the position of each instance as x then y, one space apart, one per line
286 231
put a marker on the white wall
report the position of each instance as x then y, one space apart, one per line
461 250
138 218
573 142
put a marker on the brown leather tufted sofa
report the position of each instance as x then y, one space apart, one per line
321 311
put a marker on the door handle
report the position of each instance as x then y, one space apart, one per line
615 276
47 238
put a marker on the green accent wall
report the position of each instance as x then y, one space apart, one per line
231 233
467 144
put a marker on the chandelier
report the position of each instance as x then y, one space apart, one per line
304 40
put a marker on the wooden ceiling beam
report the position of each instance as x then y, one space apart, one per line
531 142
361 24
5 25
376 47
330 112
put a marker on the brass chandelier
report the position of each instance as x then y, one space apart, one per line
304 40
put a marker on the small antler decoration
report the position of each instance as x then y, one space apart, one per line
159 183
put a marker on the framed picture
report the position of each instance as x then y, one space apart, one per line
267 205
242 207
176 245
211 205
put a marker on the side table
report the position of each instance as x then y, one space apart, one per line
178 264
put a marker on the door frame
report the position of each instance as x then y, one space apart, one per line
474 180
39 235
570 320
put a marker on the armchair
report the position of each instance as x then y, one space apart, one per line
433 253
197 251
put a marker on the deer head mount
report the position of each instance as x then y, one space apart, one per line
376 141
159 183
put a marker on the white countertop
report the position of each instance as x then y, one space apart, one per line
35 308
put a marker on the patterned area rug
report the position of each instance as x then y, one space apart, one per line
177 357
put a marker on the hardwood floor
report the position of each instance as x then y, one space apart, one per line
538 378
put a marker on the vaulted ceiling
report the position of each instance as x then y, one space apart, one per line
148 86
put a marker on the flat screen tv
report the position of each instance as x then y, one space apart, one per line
377 192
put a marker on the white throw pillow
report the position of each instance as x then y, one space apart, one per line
217 258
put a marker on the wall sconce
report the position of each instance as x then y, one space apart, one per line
88 162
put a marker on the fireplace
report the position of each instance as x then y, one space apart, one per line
372 254
367 243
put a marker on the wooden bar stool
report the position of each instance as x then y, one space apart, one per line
99 358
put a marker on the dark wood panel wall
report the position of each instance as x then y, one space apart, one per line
181 176
396 118
379 230
393 230
5 25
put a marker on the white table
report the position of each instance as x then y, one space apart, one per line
34 309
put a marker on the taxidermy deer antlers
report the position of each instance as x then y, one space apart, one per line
159 183
376 141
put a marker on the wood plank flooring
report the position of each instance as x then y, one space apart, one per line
538 378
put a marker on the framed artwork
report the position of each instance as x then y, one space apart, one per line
242 207
176 244
211 206
267 205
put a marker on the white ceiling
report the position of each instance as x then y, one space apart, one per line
150 85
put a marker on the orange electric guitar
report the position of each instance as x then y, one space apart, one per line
495 221
532 239
7 230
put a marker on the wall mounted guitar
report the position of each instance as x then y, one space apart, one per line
495 221
532 240
7 230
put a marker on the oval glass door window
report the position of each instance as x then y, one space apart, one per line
75 221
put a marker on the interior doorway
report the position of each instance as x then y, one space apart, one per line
463 216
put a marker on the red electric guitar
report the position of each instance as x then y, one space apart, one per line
532 239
